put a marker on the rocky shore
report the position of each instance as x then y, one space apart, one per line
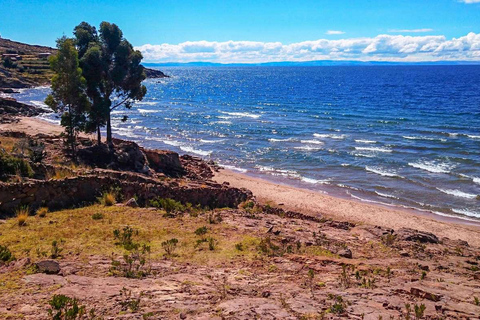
132 233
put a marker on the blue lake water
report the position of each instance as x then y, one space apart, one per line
397 135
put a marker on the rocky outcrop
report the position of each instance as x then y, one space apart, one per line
154 74
407 234
9 108
164 161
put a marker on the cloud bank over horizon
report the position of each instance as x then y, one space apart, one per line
383 47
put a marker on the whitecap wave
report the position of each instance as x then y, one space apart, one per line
315 181
383 172
312 141
365 141
211 141
242 114
146 103
281 140
40 104
148 110
308 148
473 137
279 172
423 138
431 166
373 149
385 195
233 168
458 193
196 151
331 136
467 212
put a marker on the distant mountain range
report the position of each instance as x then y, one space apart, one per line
310 63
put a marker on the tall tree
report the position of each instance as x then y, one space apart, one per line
68 91
113 72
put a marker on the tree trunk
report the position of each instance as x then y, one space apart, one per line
109 130
99 136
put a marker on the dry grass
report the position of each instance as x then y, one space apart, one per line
21 215
61 173
7 143
85 236
107 199
42 212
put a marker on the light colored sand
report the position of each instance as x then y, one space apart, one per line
311 202
315 203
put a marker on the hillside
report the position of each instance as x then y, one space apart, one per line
23 65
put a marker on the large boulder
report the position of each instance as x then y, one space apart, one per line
166 162
48 267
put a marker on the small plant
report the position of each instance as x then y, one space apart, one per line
214 217
212 243
134 264
42 212
476 301
310 281
56 250
344 277
424 274
368 283
268 247
97 216
338 306
169 246
107 199
247 205
22 215
419 311
167 204
5 255
125 237
201 231
389 239
131 303
239 246
65 308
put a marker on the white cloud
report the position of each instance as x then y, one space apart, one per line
333 32
411 30
383 47
470 1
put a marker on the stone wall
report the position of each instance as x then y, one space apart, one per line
81 190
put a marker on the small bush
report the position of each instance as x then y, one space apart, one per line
214 217
131 303
56 250
10 165
22 215
167 204
64 307
212 244
239 246
5 255
201 231
125 238
476 301
97 216
134 263
42 212
107 199
339 305
169 246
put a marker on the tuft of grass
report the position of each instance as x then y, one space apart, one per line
97 216
42 212
22 215
5 255
107 199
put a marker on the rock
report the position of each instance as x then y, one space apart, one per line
405 254
425 295
48 267
343 225
345 253
154 74
132 203
407 234
167 162
183 316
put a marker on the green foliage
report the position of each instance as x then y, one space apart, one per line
56 250
201 231
212 244
112 69
9 64
130 303
338 306
125 238
10 165
239 246
169 246
65 308
134 263
167 204
269 248
68 91
476 301
214 217
5 255
419 311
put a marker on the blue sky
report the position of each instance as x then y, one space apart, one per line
259 31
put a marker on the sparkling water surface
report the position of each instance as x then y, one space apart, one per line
397 135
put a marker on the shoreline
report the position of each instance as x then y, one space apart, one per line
315 203
312 202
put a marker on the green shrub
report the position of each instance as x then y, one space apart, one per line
56 250
201 231
169 246
10 165
125 238
65 308
5 255
167 204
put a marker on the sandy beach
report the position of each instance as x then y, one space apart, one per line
315 203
